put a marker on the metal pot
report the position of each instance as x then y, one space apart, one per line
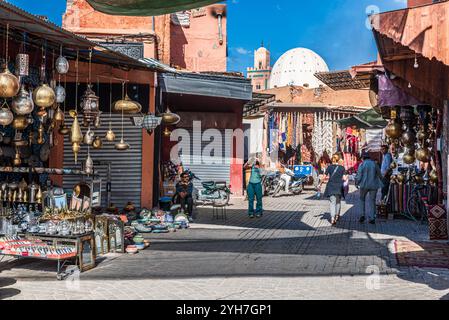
22 104
89 137
9 84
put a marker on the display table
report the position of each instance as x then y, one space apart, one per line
52 247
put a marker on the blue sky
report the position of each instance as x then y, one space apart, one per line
335 29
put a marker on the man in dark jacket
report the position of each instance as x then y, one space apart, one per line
183 196
369 180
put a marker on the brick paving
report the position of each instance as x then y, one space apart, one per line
291 253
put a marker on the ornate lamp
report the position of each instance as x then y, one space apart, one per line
90 106
151 122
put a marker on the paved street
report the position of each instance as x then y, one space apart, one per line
290 253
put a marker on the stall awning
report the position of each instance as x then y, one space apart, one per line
420 33
146 7
366 120
206 85
40 33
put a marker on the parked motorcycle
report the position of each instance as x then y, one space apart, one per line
269 182
296 186
213 193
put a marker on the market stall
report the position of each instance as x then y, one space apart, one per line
55 90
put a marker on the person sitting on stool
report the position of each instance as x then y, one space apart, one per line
183 196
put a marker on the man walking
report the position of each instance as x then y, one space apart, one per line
385 170
369 180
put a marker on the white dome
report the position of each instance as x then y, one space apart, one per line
297 67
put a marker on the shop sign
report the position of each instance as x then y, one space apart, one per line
302 170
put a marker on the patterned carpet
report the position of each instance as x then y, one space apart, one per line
422 254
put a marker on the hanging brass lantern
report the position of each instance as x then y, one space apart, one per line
9 84
122 146
394 129
22 104
409 158
433 176
59 115
169 118
17 161
44 96
127 106
76 149
97 144
400 178
110 135
39 195
40 134
423 154
20 123
90 106
76 134
167 132
422 135
6 116
409 137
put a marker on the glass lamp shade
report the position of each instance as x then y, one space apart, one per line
22 65
62 65
60 94
151 122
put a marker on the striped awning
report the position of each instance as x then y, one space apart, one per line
146 7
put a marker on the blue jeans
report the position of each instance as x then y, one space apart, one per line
371 203
335 206
254 190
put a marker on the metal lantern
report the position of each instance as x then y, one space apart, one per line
22 65
9 84
62 65
127 106
60 94
22 104
6 116
170 118
151 122
44 96
90 106
122 145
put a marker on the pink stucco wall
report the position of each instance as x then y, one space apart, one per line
195 48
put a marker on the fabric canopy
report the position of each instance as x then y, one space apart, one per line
146 7
365 120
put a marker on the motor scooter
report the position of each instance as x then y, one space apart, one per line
213 193
296 186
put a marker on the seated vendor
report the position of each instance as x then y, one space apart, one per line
183 196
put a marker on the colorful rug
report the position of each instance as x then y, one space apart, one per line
438 223
422 254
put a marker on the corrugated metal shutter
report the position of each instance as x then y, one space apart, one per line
126 166
202 166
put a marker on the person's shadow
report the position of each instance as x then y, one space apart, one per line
7 292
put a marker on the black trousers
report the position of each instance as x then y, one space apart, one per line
186 204
386 186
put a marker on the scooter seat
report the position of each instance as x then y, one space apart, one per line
209 184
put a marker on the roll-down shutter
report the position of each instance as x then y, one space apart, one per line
201 162
126 166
